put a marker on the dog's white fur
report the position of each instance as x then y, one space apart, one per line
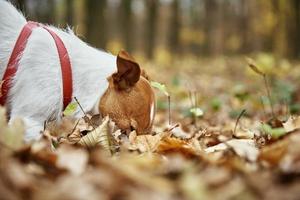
36 93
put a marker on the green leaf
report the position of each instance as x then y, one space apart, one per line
273 132
70 109
160 87
198 112
216 104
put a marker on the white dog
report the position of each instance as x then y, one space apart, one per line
103 83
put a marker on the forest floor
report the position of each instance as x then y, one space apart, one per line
221 139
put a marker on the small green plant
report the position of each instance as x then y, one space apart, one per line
216 104
162 88
275 133
253 66
70 109
198 112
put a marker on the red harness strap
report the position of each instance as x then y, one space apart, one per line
15 57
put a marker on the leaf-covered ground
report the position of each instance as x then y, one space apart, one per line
230 134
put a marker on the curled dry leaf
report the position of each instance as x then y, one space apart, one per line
242 147
244 134
75 160
74 137
143 143
273 153
292 123
100 136
175 145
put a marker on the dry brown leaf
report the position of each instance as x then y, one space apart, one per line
74 137
143 143
174 145
292 123
101 136
95 137
242 147
274 153
180 133
75 160
290 163
244 134
11 135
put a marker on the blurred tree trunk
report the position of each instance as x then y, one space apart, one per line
150 27
214 27
50 18
280 35
174 27
245 26
297 26
96 23
294 21
45 11
126 26
69 12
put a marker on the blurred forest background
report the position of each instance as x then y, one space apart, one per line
154 28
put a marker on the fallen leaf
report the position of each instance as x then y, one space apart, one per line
143 143
174 145
11 135
75 160
292 123
244 134
101 136
274 153
245 148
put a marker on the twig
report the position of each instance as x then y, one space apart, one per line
86 117
238 119
79 105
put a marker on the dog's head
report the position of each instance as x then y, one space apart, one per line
129 99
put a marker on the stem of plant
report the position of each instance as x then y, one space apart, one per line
238 119
169 108
264 109
196 106
269 95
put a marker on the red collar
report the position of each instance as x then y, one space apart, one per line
13 63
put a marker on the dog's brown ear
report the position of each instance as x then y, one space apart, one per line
128 71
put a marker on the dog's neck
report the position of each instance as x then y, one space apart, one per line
91 68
